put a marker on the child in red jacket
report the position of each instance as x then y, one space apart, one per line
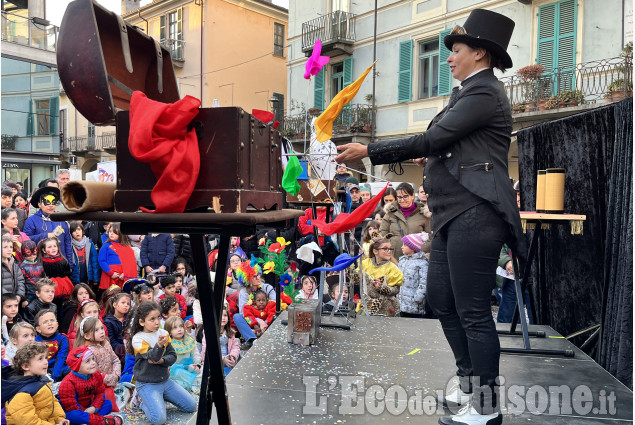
82 391
168 284
259 312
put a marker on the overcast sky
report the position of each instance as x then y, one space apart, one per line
55 9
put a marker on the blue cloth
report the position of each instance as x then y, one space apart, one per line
244 328
224 350
507 302
38 226
128 368
92 264
79 417
115 331
226 370
154 396
157 251
341 262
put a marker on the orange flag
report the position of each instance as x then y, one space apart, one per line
324 123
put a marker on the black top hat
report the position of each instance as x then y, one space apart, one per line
47 190
487 29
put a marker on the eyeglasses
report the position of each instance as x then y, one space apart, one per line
387 249
49 322
402 198
458 30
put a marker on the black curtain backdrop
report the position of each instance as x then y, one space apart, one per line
576 275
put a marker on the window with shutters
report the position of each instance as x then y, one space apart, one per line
557 26
42 112
278 39
337 78
428 79
171 33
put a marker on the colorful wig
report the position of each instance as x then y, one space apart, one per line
246 272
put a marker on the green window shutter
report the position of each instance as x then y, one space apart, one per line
405 71
54 114
348 71
445 76
29 120
557 26
163 29
318 91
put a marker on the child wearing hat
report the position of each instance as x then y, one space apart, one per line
82 392
414 266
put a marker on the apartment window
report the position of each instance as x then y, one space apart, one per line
43 118
337 79
278 39
171 33
428 69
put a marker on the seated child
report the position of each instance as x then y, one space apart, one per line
308 290
69 309
186 371
154 355
58 348
32 269
169 307
414 266
12 277
44 293
105 299
259 312
114 320
87 308
385 279
91 334
229 345
10 315
26 390
168 284
22 333
82 391
334 294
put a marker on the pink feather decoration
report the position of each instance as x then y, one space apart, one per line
315 63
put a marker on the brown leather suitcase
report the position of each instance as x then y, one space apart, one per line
101 60
240 165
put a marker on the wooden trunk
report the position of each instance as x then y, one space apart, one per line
240 165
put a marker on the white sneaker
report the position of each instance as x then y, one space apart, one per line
469 416
454 397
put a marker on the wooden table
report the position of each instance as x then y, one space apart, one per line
197 225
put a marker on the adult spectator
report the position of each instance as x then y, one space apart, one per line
355 196
390 196
7 202
22 190
404 217
364 193
39 226
183 248
14 188
422 197
157 252
62 177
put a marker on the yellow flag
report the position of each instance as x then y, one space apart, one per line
324 123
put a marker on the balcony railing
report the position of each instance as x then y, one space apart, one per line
82 144
353 119
333 27
29 32
606 79
176 48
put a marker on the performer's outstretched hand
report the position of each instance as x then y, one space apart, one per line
351 152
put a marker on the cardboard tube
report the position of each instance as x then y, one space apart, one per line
554 191
83 196
540 191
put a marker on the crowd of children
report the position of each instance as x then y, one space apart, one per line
93 328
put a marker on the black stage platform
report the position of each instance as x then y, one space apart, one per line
266 387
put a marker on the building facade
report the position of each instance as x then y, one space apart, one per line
224 52
30 94
578 42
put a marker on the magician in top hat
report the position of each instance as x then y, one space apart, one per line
473 207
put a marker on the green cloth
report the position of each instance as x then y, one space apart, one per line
290 176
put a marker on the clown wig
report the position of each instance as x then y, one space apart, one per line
246 272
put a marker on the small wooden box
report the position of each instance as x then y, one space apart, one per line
304 322
240 165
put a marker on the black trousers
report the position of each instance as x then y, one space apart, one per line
461 276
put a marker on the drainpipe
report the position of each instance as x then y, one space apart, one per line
141 17
373 113
202 4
